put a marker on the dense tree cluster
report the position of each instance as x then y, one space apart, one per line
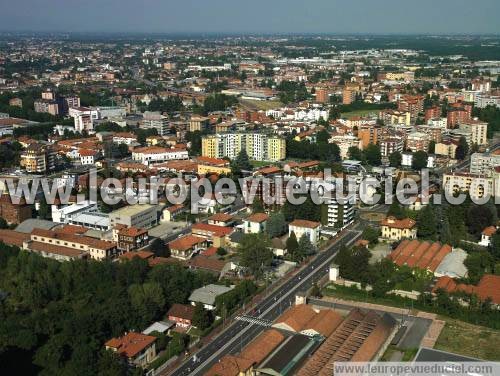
60 314
291 91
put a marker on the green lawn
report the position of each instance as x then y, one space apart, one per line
352 114
260 105
469 340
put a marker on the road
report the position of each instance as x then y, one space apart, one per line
239 333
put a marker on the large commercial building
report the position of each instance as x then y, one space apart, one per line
259 146
140 216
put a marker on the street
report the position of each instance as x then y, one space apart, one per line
239 333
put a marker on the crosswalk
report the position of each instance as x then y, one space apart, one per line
254 320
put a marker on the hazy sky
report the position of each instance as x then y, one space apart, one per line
253 16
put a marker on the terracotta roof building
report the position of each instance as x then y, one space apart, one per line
420 254
185 247
397 229
139 349
487 288
181 314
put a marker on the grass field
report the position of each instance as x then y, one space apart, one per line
260 105
349 115
469 340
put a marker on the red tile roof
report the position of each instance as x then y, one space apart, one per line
258 217
422 255
488 287
401 224
130 344
182 311
305 223
489 231
186 242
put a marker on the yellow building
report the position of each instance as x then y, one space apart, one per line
259 147
276 149
397 229
209 146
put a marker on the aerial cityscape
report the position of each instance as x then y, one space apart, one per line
225 189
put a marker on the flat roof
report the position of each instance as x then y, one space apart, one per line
432 355
131 210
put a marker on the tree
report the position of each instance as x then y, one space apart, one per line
316 291
370 234
3 223
305 246
426 223
462 149
256 255
159 248
355 153
478 218
43 211
419 160
240 164
292 247
257 206
432 147
276 225
372 155
202 319
495 245
395 159
334 113
396 210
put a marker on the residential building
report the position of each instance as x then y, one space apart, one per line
186 246
208 165
302 227
390 144
206 295
432 113
198 123
440 122
484 163
394 117
344 142
477 186
139 349
155 120
446 148
340 211
130 238
418 141
259 146
181 314
486 236
255 224
46 106
369 134
398 229
478 130
485 100
39 159
414 104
